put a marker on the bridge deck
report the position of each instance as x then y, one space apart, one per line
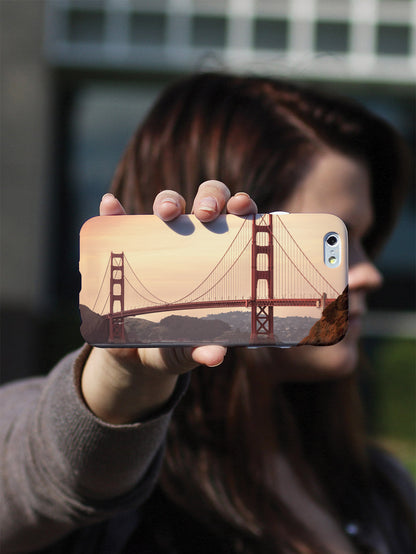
221 304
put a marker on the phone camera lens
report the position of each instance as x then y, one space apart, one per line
332 240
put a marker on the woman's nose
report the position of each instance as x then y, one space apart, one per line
362 273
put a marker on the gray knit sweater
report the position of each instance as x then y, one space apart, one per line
61 467
62 471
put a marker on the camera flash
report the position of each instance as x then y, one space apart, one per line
332 260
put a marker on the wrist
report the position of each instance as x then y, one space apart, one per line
121 391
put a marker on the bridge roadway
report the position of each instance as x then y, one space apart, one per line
248 303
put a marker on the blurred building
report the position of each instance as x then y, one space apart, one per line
350 40
78 75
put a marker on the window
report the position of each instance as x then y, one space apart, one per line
393 39
209 31
85 26
270 34
332 37
148 28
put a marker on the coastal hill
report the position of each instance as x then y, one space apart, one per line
233 328
333 324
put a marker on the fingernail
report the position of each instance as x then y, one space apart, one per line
242 194
107 196
171 201
208 204
217 364
167 202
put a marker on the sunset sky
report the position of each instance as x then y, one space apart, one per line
170 259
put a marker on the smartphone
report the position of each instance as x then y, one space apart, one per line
260 280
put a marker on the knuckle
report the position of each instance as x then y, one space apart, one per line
216 187
167 193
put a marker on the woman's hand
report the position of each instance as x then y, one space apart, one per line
122 385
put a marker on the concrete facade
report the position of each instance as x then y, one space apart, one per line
25 127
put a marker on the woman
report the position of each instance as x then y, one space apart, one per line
267 453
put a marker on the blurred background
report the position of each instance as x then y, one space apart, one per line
76 79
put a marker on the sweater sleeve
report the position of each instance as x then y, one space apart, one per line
61 467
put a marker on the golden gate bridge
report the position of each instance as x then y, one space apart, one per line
263 260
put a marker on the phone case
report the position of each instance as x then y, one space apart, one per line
259 280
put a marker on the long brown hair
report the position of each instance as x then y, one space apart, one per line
260 135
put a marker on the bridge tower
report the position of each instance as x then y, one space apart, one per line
261 308
116 323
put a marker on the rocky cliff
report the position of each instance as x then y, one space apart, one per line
333 324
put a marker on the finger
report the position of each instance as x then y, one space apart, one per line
180 360
241 204
211 356
110 205
168 204
210 200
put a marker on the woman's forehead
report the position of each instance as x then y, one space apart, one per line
336 184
